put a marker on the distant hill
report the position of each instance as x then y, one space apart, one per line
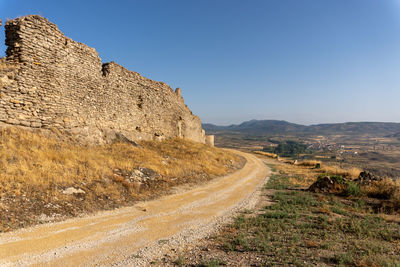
268 127
396 135
258 127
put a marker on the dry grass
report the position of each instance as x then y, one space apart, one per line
31 158
303 174
267 154
306 169
308 175
345 172
384 189
332 169
37 168
300 228
308 163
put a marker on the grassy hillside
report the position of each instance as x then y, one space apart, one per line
44 178
293 226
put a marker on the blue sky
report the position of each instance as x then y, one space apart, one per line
305 61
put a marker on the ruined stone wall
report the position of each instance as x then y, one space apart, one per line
60 83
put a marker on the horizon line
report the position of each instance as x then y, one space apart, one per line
300 123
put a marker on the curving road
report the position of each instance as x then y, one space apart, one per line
124 236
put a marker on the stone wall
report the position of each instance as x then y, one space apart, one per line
54 82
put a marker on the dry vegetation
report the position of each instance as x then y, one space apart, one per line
35 170
267 154
304 173
350 172
386 189
295 227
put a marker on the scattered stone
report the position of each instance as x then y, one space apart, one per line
140 208
142 175
43 218
73 190
366 178
148 174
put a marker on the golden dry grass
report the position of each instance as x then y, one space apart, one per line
267 154
33 159
385 188
309 174
35 169
298 175
352 172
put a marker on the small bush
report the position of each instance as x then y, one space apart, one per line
338 179
343 258
352 189
267 154
384 189
309 163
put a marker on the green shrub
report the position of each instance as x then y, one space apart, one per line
338 179
288 149
343 258
352 189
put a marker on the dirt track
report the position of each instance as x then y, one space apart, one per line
132 235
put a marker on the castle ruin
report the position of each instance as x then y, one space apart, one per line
51 81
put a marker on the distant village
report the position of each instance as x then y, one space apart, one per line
326 146
342 149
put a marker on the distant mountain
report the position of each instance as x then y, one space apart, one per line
257 127
358 128
267 127
209 127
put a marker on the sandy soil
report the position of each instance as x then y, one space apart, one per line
134 235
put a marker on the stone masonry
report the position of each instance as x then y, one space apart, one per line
51 81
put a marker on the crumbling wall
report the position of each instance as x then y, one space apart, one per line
60 83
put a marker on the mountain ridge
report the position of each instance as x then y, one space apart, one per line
263 127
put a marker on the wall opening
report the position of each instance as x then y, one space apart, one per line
140 102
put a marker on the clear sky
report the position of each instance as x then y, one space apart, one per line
305 61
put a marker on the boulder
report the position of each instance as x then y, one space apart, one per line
329 184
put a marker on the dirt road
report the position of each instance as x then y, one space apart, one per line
131 235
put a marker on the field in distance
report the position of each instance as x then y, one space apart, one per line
374 147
